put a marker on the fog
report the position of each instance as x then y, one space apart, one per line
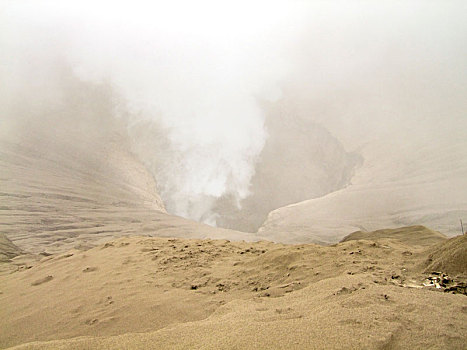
240 108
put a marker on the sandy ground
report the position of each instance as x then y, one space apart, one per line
77 192
146 292
422 183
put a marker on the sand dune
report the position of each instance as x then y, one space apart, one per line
413 236
450 257
145 292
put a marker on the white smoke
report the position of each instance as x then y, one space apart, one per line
199 68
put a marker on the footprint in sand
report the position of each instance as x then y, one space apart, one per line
42 280
92 321
90 269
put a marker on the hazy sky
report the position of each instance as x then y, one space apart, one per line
200 67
